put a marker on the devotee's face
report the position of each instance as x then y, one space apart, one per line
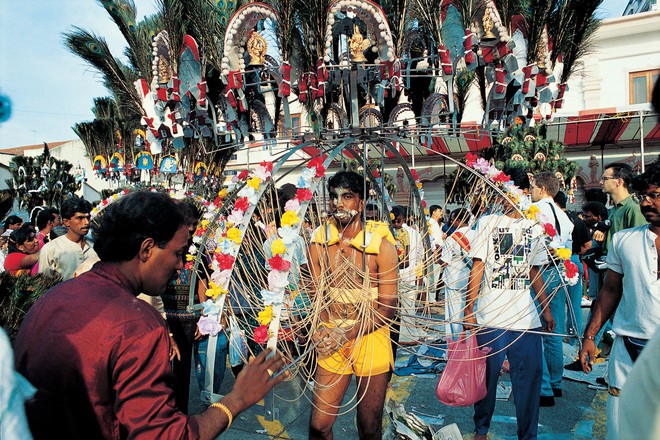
590 218
15 226
344 204
398 221
78 223
30 246
164 261
649 204
607 181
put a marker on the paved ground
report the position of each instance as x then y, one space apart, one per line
579 415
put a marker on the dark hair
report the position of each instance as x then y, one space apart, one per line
547 180
20 236
45 215
120 230
461 214
189 211
399 210
621 171
35 213
57 231
518 176
560 199
349 180
650 177
434 208
596 208
75 204
595 195
12 220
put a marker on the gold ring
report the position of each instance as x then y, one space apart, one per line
270 372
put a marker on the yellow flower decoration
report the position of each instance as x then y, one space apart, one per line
289 218
223 193
278 247
189 257
214 290
204 224
419 185
115 196
234 234
531 212
426 211
564 253
254 182
265 316
391 216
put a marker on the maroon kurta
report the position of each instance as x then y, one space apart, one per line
98 357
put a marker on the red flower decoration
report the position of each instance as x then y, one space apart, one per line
501 177
320 171
261 334
315 162
423 203
217 201
267 165
470 159
242 204
414 174
225 261
199 232
376 174
189 265
571 268
303 194
243 175
550 230
279 263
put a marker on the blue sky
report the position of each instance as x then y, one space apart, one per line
49 87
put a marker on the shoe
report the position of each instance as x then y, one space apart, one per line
557 392
576 365
586 302
546 401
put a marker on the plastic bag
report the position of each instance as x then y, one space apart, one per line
463 381
238 349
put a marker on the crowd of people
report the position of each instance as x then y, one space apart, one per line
123 369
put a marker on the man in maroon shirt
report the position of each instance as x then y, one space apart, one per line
99 357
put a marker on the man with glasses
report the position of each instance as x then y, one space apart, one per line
630 293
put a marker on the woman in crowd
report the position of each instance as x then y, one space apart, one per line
23 251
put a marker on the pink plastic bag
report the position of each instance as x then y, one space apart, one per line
463 381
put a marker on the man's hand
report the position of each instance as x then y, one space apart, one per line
329 340
174 349
255 380
599 235
549 321
587 354
469 322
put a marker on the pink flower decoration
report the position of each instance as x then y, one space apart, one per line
279 263
261 334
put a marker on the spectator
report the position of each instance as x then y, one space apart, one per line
595 217
47 219
503 308
23 253
13 222
110 377
64 254
630 294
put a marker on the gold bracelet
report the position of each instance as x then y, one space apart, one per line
591 338
226 411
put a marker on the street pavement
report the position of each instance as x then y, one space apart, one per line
579 414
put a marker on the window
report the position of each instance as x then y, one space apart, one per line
641 85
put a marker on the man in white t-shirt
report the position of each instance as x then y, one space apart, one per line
631 292
506 255
434 219
457 264
544 187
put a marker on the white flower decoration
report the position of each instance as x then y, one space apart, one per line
277 281
292 205
270 297
287 234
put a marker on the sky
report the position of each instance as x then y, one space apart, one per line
50 88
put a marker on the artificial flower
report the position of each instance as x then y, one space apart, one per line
414 174
392 217
234 234
289 218
254 182
249 193
236 217
243 175
315 162
292 205
320 171
470 159
271 297
225 261
563 253
277 281
532 211
265 316
215 291
220 276
210 308
277 247
226 247
209 325
549 229
260 334
418 185
279 263
302 183
261 173
242 204
303 194
223 193
190 258
482 165
267 165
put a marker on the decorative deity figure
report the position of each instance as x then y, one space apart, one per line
357 44
257 47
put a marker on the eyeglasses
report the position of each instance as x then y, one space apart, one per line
648 197
608 178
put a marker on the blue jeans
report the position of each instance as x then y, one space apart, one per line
574 320
553 350
525 359
221 348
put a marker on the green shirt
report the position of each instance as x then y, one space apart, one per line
623 215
